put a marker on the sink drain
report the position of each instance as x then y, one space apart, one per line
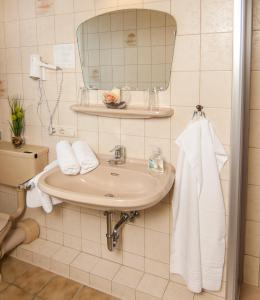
109 195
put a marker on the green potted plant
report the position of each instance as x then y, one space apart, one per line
17 120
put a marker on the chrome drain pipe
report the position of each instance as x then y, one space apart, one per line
109 234
113 233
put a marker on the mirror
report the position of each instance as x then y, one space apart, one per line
128 49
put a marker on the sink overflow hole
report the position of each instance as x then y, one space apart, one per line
114 174
109 195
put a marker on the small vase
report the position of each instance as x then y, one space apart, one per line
120 105
17 141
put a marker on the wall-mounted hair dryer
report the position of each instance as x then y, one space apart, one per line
37 67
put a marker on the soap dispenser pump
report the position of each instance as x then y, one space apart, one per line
156 162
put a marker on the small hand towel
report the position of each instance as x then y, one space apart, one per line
85 156
66 158
36 198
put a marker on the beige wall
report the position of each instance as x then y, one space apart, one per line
252 242
201 73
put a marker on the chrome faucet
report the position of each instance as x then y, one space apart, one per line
119 155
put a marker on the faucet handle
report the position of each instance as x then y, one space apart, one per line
117 147
119 151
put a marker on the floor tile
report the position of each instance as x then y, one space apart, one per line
248 292
59 288
129 277
65 255
177 291
3 285
85 262
12 268
15 293
152 285
34 280
106 269
88 293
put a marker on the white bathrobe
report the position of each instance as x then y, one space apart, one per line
198 242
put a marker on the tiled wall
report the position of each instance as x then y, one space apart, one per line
252 242
201 73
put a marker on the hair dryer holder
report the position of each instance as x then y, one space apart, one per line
38 67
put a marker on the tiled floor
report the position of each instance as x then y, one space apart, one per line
83 269
22 281
249 292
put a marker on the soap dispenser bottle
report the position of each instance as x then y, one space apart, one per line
156 162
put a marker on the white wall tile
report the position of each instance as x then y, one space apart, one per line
254 166
157 245
187 53
187 14
253 203
216 51
26 9
64 29
28 32
90 227
63 6
256 14
255 50
13 60
251 270
252 239
255 90
134 146
81 5
10 10
71 222
216 16
45 30
185 88
12 34
216 88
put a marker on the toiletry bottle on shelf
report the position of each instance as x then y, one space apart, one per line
156 162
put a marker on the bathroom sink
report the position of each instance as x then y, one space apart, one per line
121 187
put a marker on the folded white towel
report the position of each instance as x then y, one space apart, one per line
66 158
85 156
36 198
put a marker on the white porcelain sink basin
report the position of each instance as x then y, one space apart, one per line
124 187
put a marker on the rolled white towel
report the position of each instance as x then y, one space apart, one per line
66 158
85 156
35 197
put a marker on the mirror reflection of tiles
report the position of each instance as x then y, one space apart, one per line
130 48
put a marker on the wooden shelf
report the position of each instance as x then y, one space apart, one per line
127 113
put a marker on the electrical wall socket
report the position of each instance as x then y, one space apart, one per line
67 131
